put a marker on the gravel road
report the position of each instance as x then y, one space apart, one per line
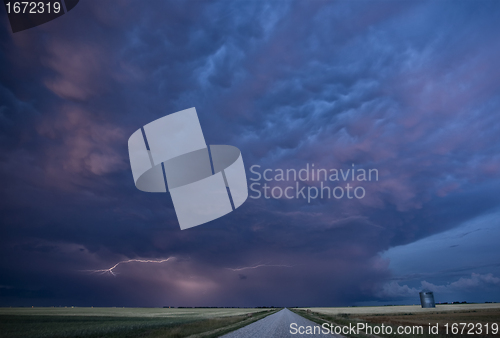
276 326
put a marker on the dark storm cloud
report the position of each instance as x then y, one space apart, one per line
409 88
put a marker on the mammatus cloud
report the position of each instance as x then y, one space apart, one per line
76 69
87 145
400 87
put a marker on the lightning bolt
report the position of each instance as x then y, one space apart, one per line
261 265
110 270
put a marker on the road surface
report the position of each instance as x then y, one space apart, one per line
276 326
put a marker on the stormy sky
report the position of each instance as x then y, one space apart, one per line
410 88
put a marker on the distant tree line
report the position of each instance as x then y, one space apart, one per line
219 307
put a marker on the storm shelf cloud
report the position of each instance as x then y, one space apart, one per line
410 89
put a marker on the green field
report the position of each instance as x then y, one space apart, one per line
123 322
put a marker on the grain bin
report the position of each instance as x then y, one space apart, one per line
427 299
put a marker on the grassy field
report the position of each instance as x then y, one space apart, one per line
395 316
124 322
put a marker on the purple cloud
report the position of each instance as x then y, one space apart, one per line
410 89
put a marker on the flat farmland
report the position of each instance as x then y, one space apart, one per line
414 309
124 322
